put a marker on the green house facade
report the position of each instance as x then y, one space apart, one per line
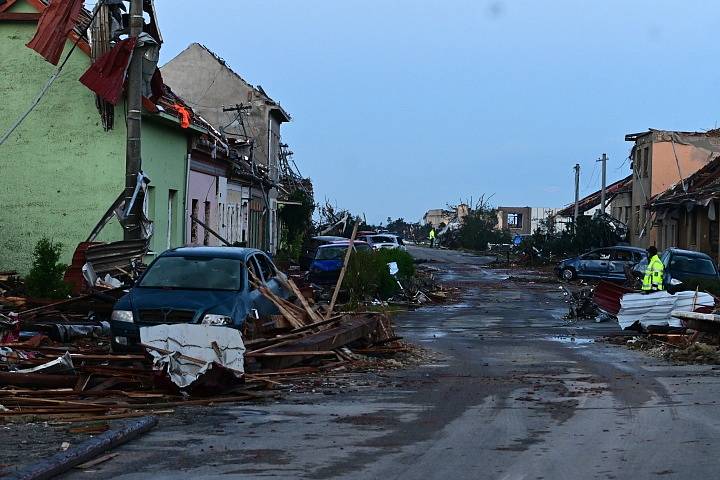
61 170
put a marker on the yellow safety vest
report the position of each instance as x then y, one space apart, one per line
432 234
653 279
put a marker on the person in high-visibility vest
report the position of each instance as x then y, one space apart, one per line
432 237
654 272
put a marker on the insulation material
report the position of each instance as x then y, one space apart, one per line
55 23
654 309
106 76
188 351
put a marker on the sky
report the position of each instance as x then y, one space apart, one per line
400 106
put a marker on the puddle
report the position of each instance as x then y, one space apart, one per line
571 340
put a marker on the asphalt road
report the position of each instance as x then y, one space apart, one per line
515 392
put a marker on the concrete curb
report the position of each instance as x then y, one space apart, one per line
63 461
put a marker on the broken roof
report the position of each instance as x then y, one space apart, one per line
631 137
700 187
593 200
285 116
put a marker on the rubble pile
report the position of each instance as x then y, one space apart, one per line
56 362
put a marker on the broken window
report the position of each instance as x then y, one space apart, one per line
514 220
637 220
646 161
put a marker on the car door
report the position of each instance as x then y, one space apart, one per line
619 260
595 264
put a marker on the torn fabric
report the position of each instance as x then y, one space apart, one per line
55 23
188 351
106 76
184 115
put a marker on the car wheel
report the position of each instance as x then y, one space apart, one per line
568 274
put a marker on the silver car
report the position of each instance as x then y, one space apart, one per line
601 264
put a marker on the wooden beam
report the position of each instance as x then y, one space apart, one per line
351 246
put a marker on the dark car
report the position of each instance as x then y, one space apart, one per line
325 267
199 285
601 264
682 267
311 246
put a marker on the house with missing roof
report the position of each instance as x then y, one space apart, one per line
663 160
64 166
242 204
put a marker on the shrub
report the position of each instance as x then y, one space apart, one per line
368 274
45 279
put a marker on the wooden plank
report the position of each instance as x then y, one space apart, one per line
314 316
351 246
320 353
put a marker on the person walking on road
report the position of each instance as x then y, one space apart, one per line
432 237
654 272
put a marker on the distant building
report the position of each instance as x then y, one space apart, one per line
436 217
523 220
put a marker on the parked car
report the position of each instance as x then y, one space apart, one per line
199 285
385 240
682 266
328 261
601 264
309 249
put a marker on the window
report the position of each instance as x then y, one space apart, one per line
637 220
196 273
194 224
638 161
206 237
172 218
266 266
622 256
646 161
514 220
693 227
692 264
253 272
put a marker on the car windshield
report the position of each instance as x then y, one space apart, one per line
194 273
692 264
382 239
337 252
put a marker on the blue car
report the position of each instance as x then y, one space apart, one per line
199 285
325 267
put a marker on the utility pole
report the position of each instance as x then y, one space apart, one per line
577 192
133 162
603 159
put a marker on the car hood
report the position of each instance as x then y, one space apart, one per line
326 265
199 301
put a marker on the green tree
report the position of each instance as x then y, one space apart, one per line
45 279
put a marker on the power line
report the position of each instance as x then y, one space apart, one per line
48 84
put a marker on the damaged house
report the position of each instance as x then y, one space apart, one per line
686 215
243 201
64 166
661 159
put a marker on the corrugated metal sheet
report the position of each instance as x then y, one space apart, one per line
106 257
607 296
56 22
655 308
